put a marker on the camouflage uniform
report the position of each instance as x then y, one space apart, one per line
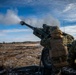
72 54
67 39
57 50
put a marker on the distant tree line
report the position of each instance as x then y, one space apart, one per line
20 42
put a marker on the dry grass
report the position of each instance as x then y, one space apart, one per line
18 55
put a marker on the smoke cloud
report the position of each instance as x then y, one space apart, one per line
9 18
38 22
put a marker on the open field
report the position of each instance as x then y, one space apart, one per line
20 54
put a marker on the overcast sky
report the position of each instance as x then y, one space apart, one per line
35 12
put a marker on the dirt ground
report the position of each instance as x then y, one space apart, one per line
20 54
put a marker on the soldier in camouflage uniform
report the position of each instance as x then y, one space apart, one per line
57 50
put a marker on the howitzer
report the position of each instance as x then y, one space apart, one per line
39 32
43 33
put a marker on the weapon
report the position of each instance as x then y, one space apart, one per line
39 32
